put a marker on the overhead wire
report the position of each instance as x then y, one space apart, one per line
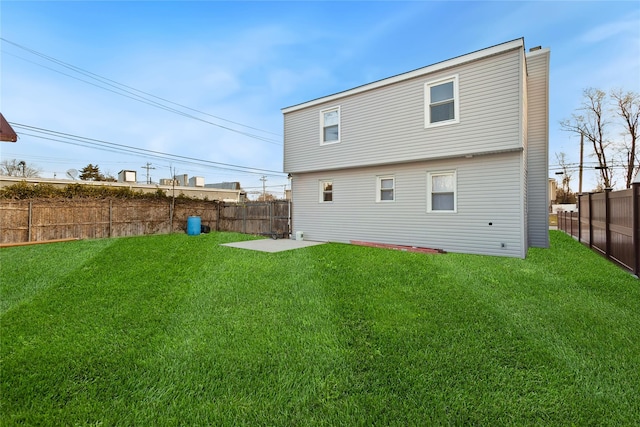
127 92
71 139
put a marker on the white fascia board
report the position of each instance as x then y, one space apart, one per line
473 56
545 50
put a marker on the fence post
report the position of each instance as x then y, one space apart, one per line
172 212
607 222
635 233
579 216
110 216
271 217
590 223
218 218
29 221
559 219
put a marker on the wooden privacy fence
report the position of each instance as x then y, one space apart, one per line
609 223
53 219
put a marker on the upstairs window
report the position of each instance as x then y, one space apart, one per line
330 125
386 189
441 191
326 191
441 102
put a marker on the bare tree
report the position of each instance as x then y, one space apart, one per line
627 107
592 123
14 167
266 197
566 177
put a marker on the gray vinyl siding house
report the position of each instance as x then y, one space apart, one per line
451 156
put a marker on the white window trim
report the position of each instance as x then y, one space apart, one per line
379 188
455 191
427 102
327 110
321 190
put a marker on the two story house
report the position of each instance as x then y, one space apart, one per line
451 156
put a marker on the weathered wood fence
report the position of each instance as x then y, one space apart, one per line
52 219
609 223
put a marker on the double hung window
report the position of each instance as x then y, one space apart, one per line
326 191
386 189
441 191
330 125
441 102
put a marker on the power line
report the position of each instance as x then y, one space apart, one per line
152 103
127 92
121 148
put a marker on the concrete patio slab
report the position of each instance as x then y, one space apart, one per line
271 245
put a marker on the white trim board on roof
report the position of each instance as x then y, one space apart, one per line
473 56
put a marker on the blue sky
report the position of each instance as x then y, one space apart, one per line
244 61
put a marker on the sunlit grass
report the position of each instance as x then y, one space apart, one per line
178 330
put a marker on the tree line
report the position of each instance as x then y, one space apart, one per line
15 167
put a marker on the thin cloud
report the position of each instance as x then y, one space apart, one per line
610 30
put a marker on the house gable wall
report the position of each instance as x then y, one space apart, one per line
498 151
387 124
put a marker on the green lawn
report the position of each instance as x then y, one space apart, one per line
177 330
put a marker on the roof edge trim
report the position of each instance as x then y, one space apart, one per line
459 60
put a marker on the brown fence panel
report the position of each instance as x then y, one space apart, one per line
621 227
14 221
598 222
264 218
232 217
52 219
568 222
61 219
281 218
183 209
584 212
138 217
610 225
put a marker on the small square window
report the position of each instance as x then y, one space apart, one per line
441 191
385 189
330 126
326 191
441 102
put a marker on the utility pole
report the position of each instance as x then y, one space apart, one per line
148 167
264 182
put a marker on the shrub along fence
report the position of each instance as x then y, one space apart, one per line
52 219
609 223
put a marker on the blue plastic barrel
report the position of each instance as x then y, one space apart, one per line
193 225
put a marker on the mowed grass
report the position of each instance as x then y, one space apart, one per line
178 330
